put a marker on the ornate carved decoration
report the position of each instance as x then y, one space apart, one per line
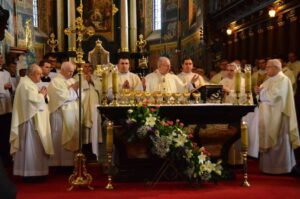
292 16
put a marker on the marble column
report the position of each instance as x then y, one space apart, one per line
71 24
133 26
124 26
60 24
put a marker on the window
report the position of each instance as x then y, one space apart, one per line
35 12
156 14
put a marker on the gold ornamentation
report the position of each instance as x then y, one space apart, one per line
80 176
28 34
141 43
109 149
52 42
244 143
114 9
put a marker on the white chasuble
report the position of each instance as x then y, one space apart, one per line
64 100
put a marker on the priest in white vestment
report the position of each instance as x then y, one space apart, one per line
187 75
63 107
30 136
163 81
91 124
273 130
127 79
228 83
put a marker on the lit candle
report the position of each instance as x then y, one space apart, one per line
109 137
248 81
244 135
115 81
237 81
104 82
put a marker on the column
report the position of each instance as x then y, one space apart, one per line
60 24
270 40
71 23
293 38
133 25
124 26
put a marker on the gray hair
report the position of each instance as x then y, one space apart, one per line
275 63
161 59
67 65
32 68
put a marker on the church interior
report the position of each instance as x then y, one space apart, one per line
217 99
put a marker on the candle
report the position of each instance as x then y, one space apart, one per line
115 81
248 81
109 137
244 135
104 82
237 81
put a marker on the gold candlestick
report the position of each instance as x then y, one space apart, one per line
244 144
104 81
109 150
248 84
115 87
237 84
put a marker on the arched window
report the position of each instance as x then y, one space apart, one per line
156 14
35 13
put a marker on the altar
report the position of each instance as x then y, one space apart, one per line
141 167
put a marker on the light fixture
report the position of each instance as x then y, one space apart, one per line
229 31
272 12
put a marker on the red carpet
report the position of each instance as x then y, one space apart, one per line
262 186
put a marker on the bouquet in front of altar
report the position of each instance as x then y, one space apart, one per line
170 139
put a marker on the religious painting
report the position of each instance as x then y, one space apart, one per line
99 15
170 20
7 4
194 13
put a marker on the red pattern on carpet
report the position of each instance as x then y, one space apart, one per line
262 186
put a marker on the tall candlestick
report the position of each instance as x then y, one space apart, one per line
244 135
115 81
237 81
248 80
104 82
109 138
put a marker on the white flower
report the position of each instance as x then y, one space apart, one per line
209 167
150 121
130 111
180 140
201 158
189 154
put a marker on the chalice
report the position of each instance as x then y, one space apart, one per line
196 96
186 97
168 97
177 97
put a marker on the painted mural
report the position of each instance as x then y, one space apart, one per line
169 29
98 14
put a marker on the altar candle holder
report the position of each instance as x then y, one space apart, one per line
237 84
244 146
109 150
248 84
115 84
104 81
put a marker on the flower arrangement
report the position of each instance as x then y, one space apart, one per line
171 139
